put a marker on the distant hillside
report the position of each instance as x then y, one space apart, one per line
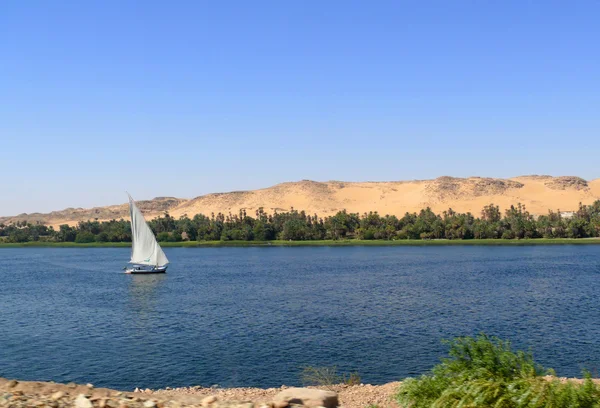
537 193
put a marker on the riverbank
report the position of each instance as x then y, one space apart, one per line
49 394
350 396
34 393
348 242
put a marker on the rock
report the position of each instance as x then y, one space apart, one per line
102 403
11 383
280 404
82 402
57 395
149 404
308 397
148 391
136 389
90 385
208 400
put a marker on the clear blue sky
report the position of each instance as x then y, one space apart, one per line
183 98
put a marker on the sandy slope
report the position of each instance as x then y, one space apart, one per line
537 193
47 394
355 396
35 393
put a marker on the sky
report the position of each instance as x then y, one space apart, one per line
184 98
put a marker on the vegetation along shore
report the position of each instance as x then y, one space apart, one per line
343 228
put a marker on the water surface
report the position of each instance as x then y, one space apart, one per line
254 316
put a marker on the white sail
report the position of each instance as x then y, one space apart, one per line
144 248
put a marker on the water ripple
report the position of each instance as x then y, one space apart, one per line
254 316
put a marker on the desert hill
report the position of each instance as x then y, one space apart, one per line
537 193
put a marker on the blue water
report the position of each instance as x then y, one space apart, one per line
255 316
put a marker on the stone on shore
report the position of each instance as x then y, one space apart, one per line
82 402
308 397
58 395
209 400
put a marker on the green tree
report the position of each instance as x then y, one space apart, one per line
66 233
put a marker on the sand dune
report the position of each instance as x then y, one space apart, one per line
537 193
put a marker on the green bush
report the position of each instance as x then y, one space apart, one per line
174 237
85 237
485 372
102 237
162 237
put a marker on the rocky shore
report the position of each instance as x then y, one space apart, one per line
48 394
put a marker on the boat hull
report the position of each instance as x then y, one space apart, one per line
142 271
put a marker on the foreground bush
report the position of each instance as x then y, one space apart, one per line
485 372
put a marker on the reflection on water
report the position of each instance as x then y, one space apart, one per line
143 292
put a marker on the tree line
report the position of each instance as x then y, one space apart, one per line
515 223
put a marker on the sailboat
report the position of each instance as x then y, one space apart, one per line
146 255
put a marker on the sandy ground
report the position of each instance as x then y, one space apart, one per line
537 193
34 393
356 396
48 394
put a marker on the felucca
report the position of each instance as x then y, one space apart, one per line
146 255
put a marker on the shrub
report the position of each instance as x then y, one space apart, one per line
366 233
174 237
485 372
352 378
85 237
327 377
162 237
320 376
102 237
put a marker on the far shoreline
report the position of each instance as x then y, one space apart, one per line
322 243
